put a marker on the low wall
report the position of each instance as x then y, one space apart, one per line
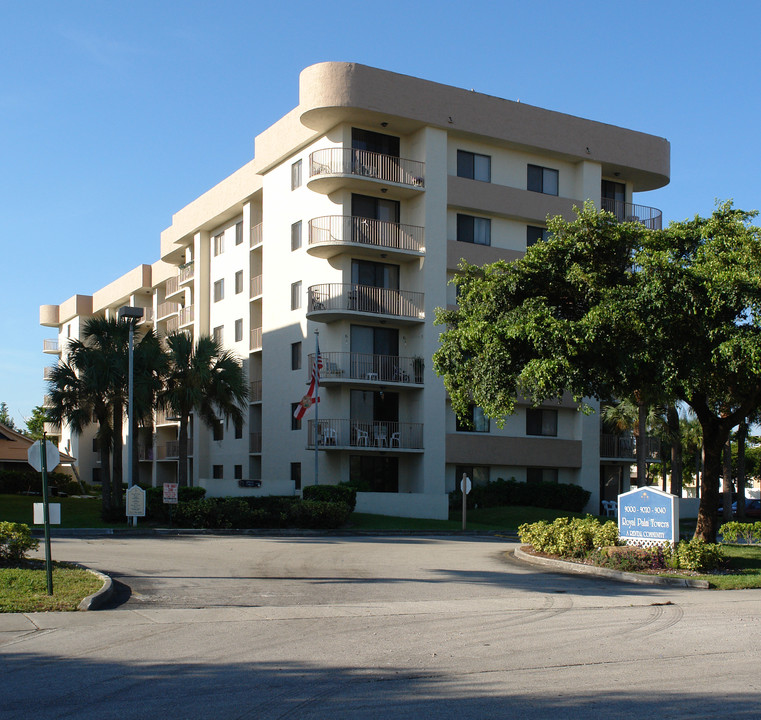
230 488
417 505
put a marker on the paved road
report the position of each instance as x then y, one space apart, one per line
246 627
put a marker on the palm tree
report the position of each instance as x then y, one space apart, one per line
204 379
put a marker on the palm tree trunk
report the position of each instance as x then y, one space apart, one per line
672 418
182 469
105 479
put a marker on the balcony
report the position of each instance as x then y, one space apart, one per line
51 429
650 217
255 391
47 401
186 273
166 309
172 324
369 369
623 447
171 450
172 287
186 316
333 168
335 301
380 435
52 347
255 443
334 234
147 318
47 373
256 236
256 287
165 417
256 339
145 453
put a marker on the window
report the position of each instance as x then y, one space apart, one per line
239 330
218 431
219 290
296 175
543 180
219 244
238 429
238 233
295 424
239 282
473 166
95 445
476 422
96 475
296 475
238 472
217 472
478 474
541 422
296 356
535 234
534 475
296 295
219 334
473 229
374 474
296 235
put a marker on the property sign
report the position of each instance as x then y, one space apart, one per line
647 516
136 501
171 493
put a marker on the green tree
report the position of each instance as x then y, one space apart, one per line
35 424
204 379
5 416
606 309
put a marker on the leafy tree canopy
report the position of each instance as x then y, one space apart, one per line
5 416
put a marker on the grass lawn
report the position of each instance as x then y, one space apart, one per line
24 589
75 512
743 571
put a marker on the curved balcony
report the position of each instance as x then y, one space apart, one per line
369 369
334 234
650 217
379 435
52 347
186 272
334 301
333 168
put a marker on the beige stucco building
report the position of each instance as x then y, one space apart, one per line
350 219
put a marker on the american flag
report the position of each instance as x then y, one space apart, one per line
313 394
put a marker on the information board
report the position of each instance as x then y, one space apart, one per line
647 516
136 502
171 493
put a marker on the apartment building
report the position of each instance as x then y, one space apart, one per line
349 222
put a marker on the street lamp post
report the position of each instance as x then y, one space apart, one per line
132 315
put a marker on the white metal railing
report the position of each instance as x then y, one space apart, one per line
256 236
172 324
186 272
171 450
47 373
51 346
366 299
172 286
166 309
186 315
379 434
256 339
367 366
365 163
625 446
256 286
365 231
650 217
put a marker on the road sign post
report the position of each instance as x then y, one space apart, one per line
39 456
465 486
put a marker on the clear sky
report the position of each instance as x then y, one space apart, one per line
114 114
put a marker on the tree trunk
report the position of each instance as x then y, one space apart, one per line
714 436
641 444
726 474
182 468
742 434
117 477
105 479
672 418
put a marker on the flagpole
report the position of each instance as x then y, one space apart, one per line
316 375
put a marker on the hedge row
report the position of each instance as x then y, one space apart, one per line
28 481
332 493
500 492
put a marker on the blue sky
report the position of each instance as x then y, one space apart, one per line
114 115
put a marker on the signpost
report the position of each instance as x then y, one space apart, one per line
135 502
647 517
465 486
171 497
41 455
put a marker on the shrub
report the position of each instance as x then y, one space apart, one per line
500 492
331 493
156 509
15 541
698 555
29 481
749 532
319 514
569 537
630 558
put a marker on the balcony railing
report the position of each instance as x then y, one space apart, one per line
256 286
172 324
164 416
364 163
51 346
381 434
337 229
47 373
366 299
145 452
617 446
256 339
650 217
256 236
255 391
171 450
166 309
255 442
365 366
186 272
186 315
172 286
47 401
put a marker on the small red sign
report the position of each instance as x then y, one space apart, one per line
170 493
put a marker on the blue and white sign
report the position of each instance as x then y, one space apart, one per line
647 516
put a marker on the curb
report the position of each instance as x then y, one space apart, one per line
573 568
99 598
268 532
